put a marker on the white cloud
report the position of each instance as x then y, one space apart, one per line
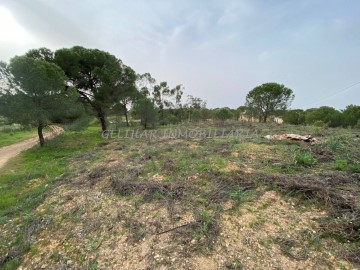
13 37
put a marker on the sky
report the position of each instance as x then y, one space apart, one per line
218 50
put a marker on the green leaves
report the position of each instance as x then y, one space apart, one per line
101 79
267 98
37 88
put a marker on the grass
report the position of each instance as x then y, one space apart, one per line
239 196
16 136
26 179
304 158
143 190
340 165
335 144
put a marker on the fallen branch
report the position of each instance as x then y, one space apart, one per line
293 137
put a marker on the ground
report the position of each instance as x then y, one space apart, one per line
20 142
200 203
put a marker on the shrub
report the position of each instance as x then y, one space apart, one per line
340 165
223 114
305 159
355 168
335 144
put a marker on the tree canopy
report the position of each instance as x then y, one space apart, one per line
351 116
223 114
327 115
146 111
37 93
268 98
100 78
294 117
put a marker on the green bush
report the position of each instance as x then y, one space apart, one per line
171 120
335 144
238 196
355 168
304 158
340 165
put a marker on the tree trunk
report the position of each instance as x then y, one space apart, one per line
126 115
40 134
99 112
102 120
265 118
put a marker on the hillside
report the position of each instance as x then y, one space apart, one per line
174 203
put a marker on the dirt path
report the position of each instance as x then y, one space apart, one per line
10 151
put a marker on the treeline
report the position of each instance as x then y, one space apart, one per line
68 85
325 116
43 87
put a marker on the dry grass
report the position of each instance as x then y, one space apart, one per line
201 204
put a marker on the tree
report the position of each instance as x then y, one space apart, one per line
167 99
294 117
351 115
125 92
146 111
37 93
99 77
194 104
44 54
268 98
223 114
328 115
196 115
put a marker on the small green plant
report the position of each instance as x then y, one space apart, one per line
205 221
239 196
258 223
315 241
335 144
158 195
234 265
304 158
355 168
340 165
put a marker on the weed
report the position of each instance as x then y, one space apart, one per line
234 265
355 168
340 165
258 223
304 158
335 144
239 196
204 220
314 240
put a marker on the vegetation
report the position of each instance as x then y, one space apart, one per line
194 192
223 114
294 117
145 109
87 202
37 93
26 181
101 79
7 138
268 98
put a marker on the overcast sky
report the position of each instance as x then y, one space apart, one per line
218 49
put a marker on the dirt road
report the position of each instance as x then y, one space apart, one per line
10 151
